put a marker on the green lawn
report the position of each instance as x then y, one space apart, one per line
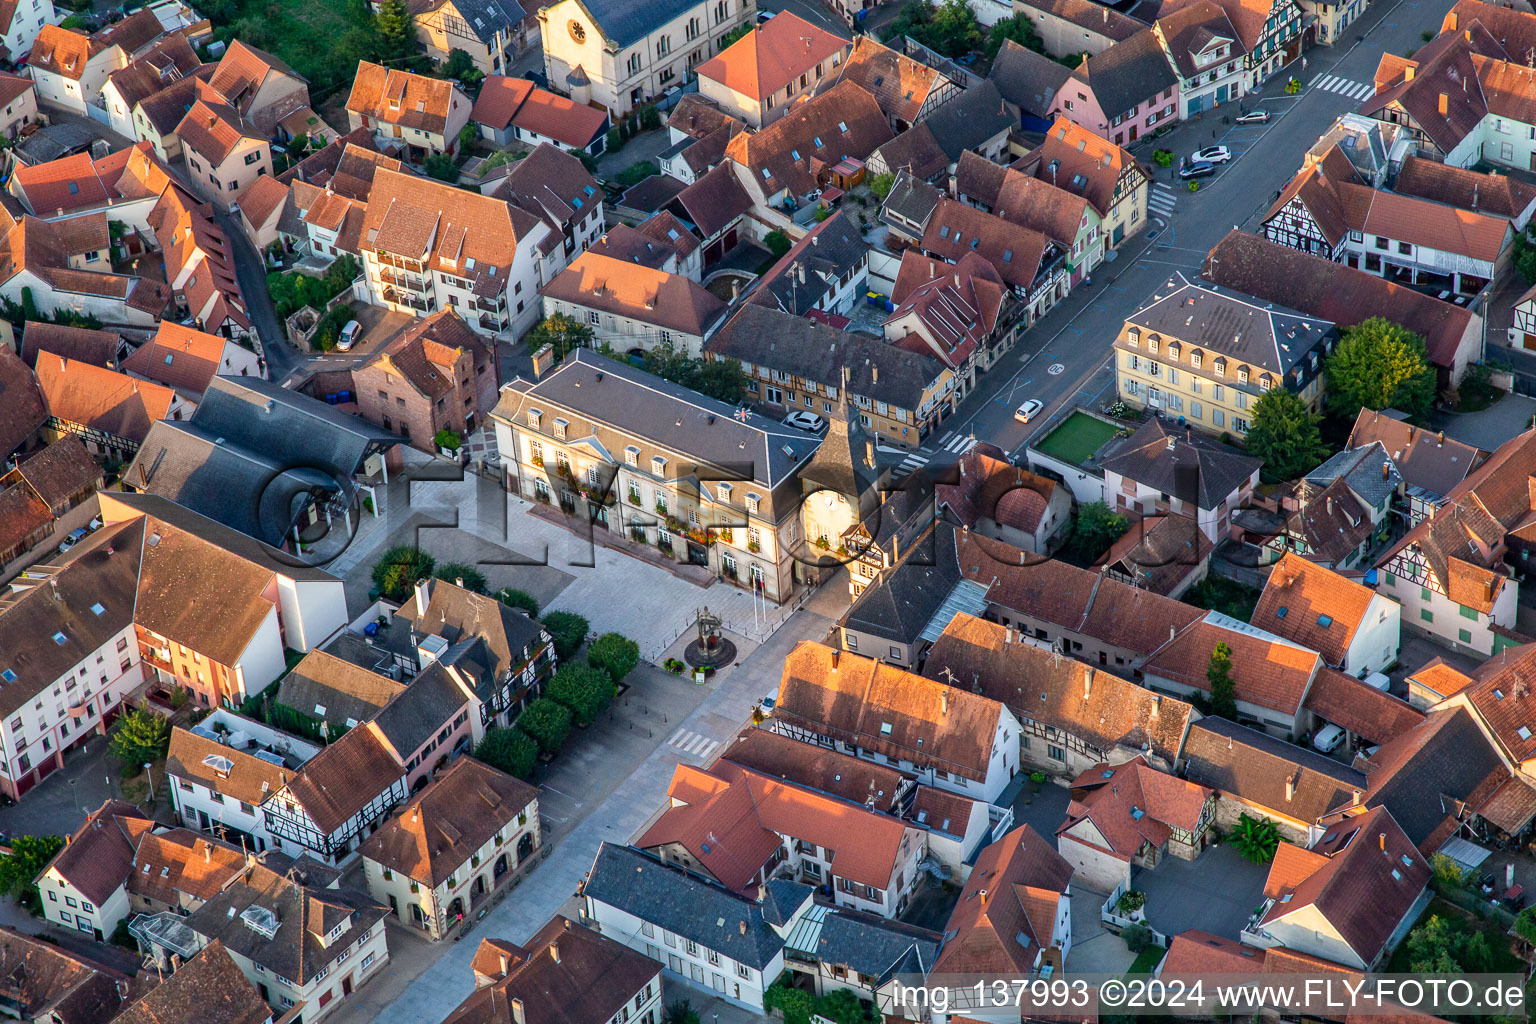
1219 594
305 34
1146 960
1078 437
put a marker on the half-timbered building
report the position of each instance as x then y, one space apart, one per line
333 801
1453 572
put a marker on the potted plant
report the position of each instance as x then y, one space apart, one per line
448 442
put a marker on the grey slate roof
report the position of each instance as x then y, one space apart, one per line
831 249
305 911
485 18
250 449
1129 72
708 914
781 898
840 465
1195 469
1361 470
428 704
1028 80
913 199
628 21
1228 323
780 341
874 947
900 606
1445 761
671 416
969 119
486 638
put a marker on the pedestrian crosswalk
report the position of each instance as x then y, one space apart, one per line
912 462
1345 87
690 742
958 443
1162 200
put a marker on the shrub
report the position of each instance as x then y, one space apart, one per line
19 871
513 598
615 140
547 722
1131 901
794 1003
650 118
585 690
1137 937
778 243
473 578
615 654
441 166
1163 157
568 630
448 439
636 173
398 569
509 750
681 1012
1256 839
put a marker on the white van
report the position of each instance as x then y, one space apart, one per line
1328 738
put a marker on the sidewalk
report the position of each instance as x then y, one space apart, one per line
428 998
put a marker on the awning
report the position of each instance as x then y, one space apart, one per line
1468 855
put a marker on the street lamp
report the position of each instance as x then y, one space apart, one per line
151 778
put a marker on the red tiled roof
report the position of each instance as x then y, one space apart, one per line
1271 673
1363 710
179 357
99 855
1131 803
101 399
730 820
499 98
1314 606
1013 892
555 117
772 56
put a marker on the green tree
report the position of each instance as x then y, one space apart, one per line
441 166
777 242
1447 872
1256 839
1020 29
720 379
1380 365
468 136
585 690
949 28
635 173
547 722
615 654
796 1004
739 32
562 332
650 118
473 578
509 750
568 630
514 598
459 64
138 737
397 29
1137 937
1095 527
1286 435
880 185
843 1007
398 570
1223 691
18 872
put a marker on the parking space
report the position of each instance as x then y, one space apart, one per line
1216 892
1043 811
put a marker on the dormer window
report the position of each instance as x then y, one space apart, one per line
1242 375
1220 366
1265 383
1152 343
632 456
724 491
561 428
1195 358
753 502
534 416
658 466
1133 336
1173 350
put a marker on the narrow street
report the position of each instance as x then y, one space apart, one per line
251 272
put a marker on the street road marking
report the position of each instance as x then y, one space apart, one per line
912 461
1056 369
690 742
1162 199
1345 87
961 444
